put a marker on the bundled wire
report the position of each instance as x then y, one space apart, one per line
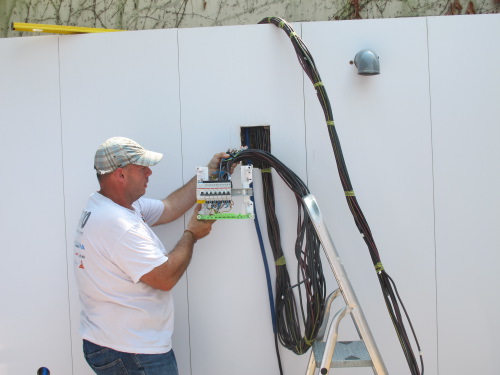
312 287
259 137
391 296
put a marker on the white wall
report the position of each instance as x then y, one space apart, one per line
123 84
243 76
465 88
34 307
419 143
384 127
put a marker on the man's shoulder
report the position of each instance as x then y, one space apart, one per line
104 213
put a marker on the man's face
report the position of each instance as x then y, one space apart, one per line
137 177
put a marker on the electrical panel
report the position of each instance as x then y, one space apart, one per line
217 196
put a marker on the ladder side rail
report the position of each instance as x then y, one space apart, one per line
329 301
311 367
331 342
344 283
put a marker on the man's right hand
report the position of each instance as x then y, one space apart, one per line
199 228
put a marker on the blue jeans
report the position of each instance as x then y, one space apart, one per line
106 361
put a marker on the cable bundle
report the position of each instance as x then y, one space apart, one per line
307 252
259 137
389 290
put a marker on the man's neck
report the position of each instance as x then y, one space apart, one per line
117 198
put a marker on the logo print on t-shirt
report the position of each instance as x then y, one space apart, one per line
81 265
84 218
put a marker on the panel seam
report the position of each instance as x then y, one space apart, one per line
184 181
433 191
64 204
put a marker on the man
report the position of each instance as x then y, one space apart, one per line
123 272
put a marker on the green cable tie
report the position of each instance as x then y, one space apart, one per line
265 170
309 342
282 23
349 193
281 261
318 84
292 34
379 267
330 122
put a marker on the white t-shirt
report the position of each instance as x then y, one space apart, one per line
114 247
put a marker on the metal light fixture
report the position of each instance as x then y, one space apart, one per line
367 62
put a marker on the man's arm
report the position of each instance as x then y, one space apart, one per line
178 202
181 200
165 276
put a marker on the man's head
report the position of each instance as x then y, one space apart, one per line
118 152
123 171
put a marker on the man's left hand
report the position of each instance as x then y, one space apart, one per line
214 164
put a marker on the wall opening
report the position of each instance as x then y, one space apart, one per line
257 137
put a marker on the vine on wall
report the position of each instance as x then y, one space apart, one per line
157 14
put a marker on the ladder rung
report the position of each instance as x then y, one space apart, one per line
346 354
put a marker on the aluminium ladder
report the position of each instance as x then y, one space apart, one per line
327 352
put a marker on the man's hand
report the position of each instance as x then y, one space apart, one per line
199 228
214 164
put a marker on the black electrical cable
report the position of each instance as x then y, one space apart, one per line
311 286
262 141
391 296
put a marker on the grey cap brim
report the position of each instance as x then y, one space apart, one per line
148 159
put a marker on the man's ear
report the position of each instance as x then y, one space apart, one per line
120 174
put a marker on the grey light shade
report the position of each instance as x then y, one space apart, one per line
367 62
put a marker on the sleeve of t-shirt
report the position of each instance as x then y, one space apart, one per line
151 209
137 254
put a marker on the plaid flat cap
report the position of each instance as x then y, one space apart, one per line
117 152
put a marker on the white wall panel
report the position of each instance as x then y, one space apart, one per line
383 124
465 87
34 312
413 149
232 77
121 84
